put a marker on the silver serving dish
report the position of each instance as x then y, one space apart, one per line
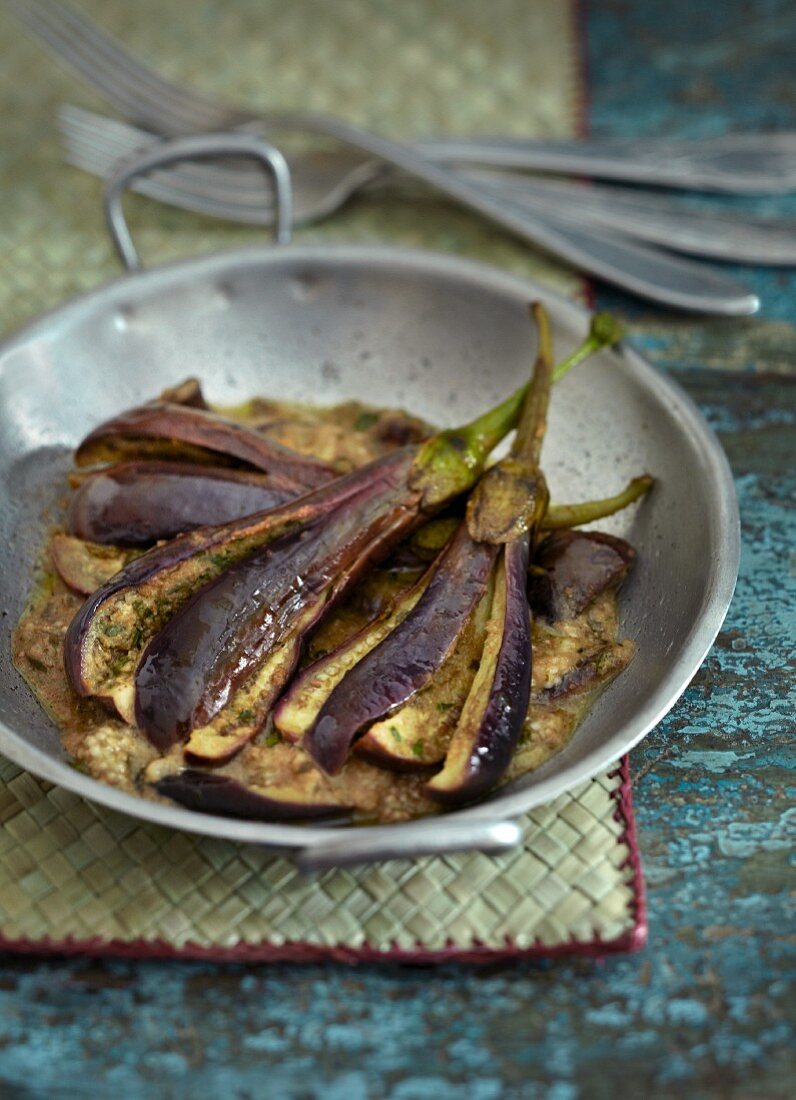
443 337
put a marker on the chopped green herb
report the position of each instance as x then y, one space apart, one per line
396 733
136 637
218 559
417 747
79 766
272 739
444 706
245 715
364 421
112 630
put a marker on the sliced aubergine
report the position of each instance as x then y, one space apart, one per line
139 503
163 430
107 636
406 660
571 568
299 706
594 669
555 712
491 721
211 793
84 566
415 736
194 666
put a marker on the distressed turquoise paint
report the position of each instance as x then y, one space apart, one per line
704 1011
695 70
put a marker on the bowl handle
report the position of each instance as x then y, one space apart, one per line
430 837
195 147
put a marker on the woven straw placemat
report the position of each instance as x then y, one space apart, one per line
76 877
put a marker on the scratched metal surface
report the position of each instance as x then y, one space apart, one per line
704 1010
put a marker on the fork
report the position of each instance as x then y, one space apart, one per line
735 163
95 144
152 100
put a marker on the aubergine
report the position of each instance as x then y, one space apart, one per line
163 430
196 665
139 503
211 793
508 507
84 566
406 660
491 721
246 710
592 671
299 706
110 631
555 711
571 568
505 509
415 736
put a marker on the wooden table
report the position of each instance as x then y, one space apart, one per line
703 1011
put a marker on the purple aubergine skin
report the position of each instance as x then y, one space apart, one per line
210 793
163 558
191 668
201 428
407 659
578 566
507 703
139 503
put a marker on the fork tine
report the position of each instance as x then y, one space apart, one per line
99 151
165 186
103 159
106 64
219 182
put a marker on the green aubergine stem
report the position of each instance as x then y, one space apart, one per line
451 461
512 497
434 535
604 331
527 446
587 511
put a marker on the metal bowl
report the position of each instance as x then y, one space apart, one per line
438 335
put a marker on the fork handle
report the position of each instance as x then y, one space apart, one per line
645 271
733 164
